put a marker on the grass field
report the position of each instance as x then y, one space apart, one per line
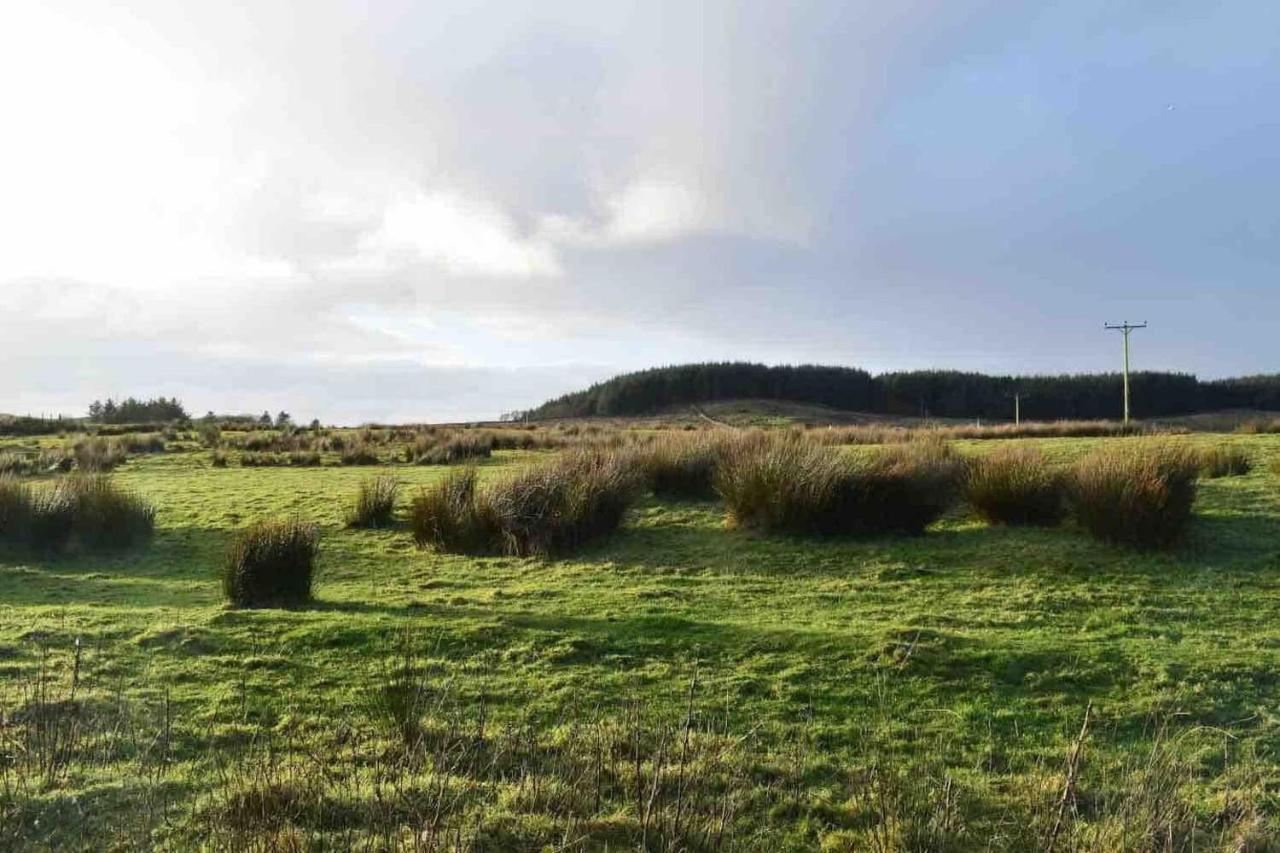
680 685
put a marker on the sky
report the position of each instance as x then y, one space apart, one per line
411 211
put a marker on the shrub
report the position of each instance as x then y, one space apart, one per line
449 517
788 484
218 459
1136 494
546 509
1226 461
375 503
271 562
1015 486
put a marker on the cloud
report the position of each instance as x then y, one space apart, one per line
189 189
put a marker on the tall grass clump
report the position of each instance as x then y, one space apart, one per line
453 449
87 511
680 466
1015 486
1138 495
375 504
449 517
15 507
271 562
1228 461
98 454
560 505
545 509
105 515
788 484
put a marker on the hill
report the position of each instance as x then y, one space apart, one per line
924 393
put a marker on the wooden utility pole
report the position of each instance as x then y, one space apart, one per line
1125 328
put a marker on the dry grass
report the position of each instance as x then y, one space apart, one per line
788 484
1015 486
1136 494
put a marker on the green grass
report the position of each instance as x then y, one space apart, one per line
968 654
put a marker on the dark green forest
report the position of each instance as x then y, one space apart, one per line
927 393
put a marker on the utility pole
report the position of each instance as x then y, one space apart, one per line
1017 404
1125 328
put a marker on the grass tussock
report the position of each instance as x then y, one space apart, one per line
375 503
98 454
682 466
1015 486
787 484
432 450
360 452
1138 495
271 562
1225 461
546 509
450 517
81 511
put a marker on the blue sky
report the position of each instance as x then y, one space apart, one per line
412 210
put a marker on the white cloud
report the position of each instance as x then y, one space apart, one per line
459 236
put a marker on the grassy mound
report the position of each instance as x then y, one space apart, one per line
271 562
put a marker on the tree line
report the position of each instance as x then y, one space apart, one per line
924 393
135 411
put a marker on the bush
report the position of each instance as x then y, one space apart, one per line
449 517
375 503
788 484
1226 461
1136 494
542 510
271 562
87 510
218 459
1015 486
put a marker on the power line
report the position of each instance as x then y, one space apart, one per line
1125 328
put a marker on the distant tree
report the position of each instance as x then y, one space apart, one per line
315 424
265 419
283 419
